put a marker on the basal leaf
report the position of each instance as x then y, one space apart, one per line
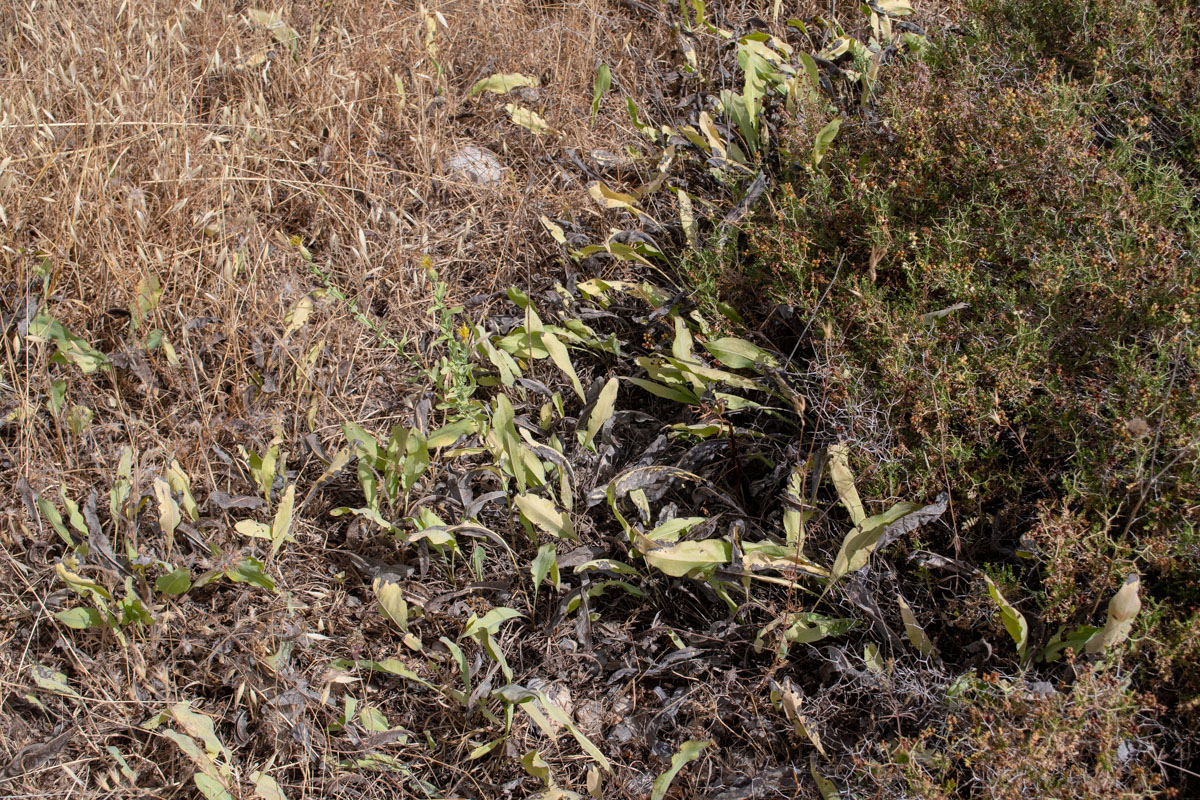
1122 610
266 787
545 515
502 83
211 787
545 563
391 602
490 622
602 411
168 511
281 527
562 360
609 198
739 354
80 618
250 570
701 556
529 120
825 139
688 753
1014 621
843 481
600 87
914 631
174 583
861 542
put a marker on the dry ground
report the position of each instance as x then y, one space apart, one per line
251 217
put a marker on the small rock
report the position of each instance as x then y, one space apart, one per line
606 159
476 164
556 693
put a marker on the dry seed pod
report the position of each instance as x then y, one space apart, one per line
1122 610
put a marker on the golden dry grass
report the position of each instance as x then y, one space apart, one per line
185 142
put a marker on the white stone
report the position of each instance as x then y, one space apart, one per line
475 164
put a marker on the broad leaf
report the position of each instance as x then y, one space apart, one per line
602 411
529 120
701 556
825 139
502 83
546 516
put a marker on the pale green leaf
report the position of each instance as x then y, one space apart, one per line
168 511
825 139
536 766
825 786
602 411
545 563
199 726
860 543
739 354
793 508
80 618
282 526
688 753
1122 610
914 631
1014 621
843 481
175 582
546 516
502 83
52 680
562 360
211 787
792 703
600 87
678 560
266 787
677 393
806 627
491 621
253 528
373 720
449 434
529 120
896 8
392 602
297 316
555 230
609 198
273 21
250 570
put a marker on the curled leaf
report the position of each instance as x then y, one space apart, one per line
600 86
688 753
1122 610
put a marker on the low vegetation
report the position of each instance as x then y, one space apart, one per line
650 401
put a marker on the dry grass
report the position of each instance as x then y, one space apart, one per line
186 143
183 141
